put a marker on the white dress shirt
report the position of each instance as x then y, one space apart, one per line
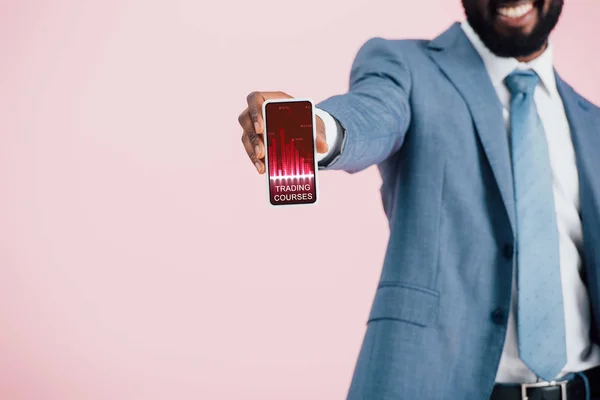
582 354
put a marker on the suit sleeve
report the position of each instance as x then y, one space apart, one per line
375 113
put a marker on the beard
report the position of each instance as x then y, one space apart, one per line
516 44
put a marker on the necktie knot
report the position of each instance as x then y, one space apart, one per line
522 82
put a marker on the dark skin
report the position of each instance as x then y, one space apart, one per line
511 26
487 11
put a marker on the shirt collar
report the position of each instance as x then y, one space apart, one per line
499 68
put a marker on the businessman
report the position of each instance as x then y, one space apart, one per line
490 287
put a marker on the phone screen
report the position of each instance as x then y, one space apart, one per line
290 153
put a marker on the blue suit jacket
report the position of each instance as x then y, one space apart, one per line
427 114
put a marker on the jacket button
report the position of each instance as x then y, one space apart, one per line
498 316
508 251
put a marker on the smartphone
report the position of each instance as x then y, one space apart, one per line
290 134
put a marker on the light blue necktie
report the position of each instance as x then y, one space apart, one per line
540 313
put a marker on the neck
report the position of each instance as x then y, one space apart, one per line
534 55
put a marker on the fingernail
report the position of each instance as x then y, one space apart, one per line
256 126
256 150
257 165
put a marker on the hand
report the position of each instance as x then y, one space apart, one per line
252 124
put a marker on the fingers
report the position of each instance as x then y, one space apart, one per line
255 101
251 121
255 140
259 165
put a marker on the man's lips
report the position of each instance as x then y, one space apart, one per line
515 10
516 14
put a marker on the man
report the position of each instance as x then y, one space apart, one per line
490 285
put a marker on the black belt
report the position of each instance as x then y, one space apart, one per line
573 389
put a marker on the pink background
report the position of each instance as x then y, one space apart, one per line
122 276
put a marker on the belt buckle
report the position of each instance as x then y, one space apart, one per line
562 384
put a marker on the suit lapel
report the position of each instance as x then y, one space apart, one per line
586 141
462 65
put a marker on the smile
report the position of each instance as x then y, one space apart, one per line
516 11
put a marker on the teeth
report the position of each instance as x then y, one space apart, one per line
516 11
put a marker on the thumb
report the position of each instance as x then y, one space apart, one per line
321 142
